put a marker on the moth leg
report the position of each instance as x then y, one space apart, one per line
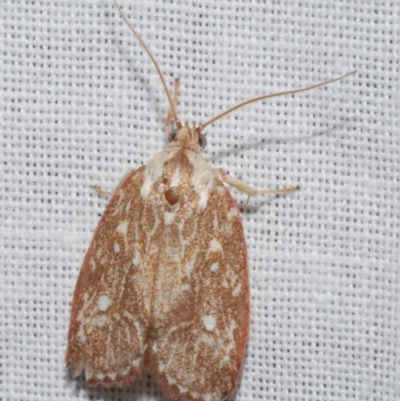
100 191
249 190
170 117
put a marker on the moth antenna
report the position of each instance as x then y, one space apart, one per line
264 97
160 74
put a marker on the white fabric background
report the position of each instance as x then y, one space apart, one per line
81 104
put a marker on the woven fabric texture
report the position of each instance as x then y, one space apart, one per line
81 105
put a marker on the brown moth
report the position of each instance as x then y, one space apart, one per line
164 285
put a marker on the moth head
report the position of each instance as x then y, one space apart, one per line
187 137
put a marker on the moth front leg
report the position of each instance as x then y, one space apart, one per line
249 190
100 191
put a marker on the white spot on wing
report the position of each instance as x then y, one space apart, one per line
117 248
104 303
209 322
214 267
123 227
215 246
169 218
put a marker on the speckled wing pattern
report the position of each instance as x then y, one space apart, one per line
111 305
164 285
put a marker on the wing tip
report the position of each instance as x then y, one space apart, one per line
106 380
173 392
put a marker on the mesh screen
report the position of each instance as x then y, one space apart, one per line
81 104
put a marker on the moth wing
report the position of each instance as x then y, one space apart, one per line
110 312
198 351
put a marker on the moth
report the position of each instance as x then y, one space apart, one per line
164 285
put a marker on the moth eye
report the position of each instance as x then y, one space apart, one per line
172 136
202 141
